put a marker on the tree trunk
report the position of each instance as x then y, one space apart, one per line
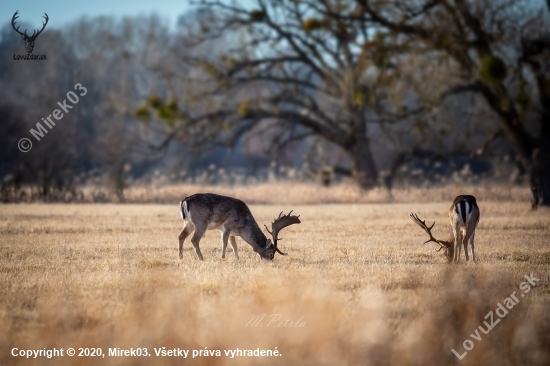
537 164
534 155
364 168
539 173
539 177
540 170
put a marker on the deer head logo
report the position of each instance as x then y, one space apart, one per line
29 40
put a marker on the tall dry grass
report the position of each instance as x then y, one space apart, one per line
369 292
282 192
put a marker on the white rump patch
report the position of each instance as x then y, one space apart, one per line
186 211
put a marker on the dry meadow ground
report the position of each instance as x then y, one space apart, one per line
366 289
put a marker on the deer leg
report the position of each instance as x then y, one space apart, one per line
474 258
472 225
225 238
458 243
234 246
199 233
465 243
187 230
468 238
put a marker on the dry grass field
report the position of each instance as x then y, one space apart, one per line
358 286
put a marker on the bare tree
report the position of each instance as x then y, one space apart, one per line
300 68
110 58
32 91
498 50
120 52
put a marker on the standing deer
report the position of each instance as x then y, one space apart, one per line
464 216
208 211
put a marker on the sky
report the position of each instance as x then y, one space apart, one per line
62 12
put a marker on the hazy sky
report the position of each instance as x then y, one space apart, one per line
62 12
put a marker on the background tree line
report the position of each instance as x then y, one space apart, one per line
336 88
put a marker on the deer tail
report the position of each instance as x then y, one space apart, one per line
184 207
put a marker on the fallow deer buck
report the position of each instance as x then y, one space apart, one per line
208 211
464 217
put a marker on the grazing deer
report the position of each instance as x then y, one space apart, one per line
464 216
208 211
448 245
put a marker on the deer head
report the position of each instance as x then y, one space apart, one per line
448 245
29 40
280 223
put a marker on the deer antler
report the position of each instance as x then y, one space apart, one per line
280 223
34 34
422 224
15 16
45 16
